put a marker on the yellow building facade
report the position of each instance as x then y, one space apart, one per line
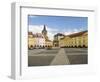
31 40
48 43
39 40
79 39
57 38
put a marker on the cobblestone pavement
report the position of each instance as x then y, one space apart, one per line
57 56
77 55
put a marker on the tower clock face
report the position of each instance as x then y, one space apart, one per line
44 32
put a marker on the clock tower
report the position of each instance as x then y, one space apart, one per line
44 32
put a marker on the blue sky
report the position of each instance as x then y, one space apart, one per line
55 24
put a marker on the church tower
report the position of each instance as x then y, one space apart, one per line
44 32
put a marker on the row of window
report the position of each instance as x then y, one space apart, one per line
39 46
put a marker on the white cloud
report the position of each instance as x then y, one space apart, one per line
35 28
39 28
71 31
52 31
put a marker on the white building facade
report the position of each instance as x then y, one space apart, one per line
39 40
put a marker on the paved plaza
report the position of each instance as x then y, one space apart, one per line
57 56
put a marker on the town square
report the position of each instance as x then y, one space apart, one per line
51 46
63 56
